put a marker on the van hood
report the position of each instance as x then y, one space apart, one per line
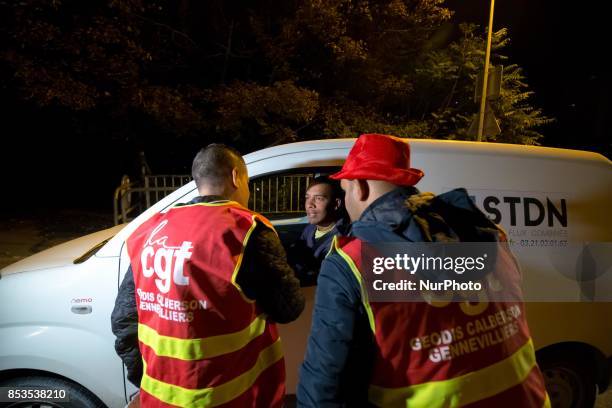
63 254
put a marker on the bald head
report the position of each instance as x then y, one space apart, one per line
220 170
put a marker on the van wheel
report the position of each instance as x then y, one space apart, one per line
78 396
570 383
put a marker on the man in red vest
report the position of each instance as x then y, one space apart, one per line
194 317
412 353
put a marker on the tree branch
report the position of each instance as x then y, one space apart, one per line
169 28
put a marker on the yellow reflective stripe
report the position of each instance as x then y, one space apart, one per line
210 204
239 262
332 247
364 292
212 396
244 241
462 390
546 402
198 349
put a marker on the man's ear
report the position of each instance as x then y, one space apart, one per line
337 204
235 177
363 189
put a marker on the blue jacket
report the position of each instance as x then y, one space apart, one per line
308 252
336 368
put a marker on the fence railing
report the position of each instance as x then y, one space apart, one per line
279 194
133 198
159 186
271 196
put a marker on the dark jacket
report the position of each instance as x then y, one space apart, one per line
306 254
338 361
264 276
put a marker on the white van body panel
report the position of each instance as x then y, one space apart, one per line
39 330
63 254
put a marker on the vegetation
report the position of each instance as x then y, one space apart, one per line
256 74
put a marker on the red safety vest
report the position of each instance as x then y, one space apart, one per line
203 342
449 354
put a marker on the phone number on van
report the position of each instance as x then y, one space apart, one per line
543 243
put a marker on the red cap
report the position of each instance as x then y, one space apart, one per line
380 157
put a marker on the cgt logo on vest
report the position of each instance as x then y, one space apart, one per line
167 262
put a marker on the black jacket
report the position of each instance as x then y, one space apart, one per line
306 254
264 276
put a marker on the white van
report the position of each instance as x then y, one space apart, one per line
56 305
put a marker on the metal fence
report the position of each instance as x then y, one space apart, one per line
276 195
272 196
157 187
133 198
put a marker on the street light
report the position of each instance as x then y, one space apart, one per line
485 79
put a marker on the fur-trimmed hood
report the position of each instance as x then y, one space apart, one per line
405 214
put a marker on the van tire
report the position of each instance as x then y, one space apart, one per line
79 397
570 382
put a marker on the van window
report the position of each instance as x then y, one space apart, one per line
279 195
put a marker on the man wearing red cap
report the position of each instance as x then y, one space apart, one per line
364 353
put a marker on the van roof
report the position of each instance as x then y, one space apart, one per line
438 146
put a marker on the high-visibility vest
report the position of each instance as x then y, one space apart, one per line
203 342
449 354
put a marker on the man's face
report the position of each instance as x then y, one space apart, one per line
320 206
242 192
350 201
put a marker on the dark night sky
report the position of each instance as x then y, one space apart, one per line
560 45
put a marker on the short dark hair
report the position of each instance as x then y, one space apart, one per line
337 191
213 164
